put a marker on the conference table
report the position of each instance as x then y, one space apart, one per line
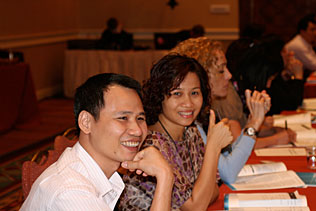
82 64
295 163
310 86
18 99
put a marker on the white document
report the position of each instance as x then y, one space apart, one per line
309 104
301 124
266 176
255 169
281 151
265 201
292 120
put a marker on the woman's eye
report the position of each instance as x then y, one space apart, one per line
195 93
221 71
176 93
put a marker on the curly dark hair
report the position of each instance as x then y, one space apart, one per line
166 75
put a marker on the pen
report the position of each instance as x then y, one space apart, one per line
285 122
304 126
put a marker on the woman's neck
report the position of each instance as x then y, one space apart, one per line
164 126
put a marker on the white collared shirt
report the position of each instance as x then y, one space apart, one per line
74 182
303 51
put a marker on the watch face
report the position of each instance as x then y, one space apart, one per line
251 131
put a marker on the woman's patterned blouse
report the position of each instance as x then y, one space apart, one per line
139 190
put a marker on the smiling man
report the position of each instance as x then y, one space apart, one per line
111 122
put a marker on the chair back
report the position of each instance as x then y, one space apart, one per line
31 170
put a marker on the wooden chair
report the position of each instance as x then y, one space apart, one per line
31 170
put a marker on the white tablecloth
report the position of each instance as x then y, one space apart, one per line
82 64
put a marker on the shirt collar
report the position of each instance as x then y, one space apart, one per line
114 185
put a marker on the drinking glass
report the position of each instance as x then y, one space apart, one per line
311 157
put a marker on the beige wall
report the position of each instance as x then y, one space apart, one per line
140 14
22 17
40 28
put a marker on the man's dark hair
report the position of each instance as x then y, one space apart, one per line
303 23
112 23
89 96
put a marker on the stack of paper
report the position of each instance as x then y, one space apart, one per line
301 124
266 201
266 176
309 104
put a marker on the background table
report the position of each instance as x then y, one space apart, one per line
81 64
18 100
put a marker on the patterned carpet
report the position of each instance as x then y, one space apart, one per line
11 196
20 145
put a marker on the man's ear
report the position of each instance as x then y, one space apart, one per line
84 122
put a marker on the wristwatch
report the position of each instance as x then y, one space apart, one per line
250 131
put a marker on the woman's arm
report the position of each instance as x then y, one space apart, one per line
281 137
150 162
230 164
205 189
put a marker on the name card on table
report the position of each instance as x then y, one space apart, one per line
284 151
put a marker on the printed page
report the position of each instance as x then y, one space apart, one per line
265 200
301 124
292 120
255 169
281 152
277 180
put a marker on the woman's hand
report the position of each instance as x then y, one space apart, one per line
219 134
293 67
258 104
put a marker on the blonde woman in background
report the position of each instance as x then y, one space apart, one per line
211 56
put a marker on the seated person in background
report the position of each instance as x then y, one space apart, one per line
175 95
211 56
114 37
302 44
111 123
264 65
196 31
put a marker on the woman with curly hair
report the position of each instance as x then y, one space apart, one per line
176 94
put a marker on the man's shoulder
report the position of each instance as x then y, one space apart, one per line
53 183
68 172
294 42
